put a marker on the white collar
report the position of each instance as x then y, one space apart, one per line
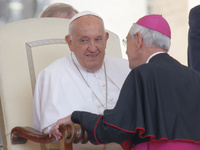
153 55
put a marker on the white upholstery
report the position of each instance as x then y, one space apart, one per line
15 82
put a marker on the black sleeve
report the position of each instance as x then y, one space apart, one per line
194 38
118 124
98 131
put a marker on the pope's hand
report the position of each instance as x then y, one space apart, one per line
55 129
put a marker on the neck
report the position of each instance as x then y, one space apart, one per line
153 53
94 69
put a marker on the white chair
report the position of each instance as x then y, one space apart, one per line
26 47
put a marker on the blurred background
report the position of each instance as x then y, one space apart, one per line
118 16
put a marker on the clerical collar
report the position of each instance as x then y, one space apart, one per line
154 55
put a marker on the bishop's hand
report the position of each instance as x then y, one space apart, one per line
55 129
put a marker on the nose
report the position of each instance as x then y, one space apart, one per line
92 46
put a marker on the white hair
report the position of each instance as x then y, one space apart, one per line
151 38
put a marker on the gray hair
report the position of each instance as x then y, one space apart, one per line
151 38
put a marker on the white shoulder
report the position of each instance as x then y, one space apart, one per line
116 62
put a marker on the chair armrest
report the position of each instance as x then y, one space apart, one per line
72 133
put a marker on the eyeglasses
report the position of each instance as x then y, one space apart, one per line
124 41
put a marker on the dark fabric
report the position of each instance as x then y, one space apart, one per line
104 132
194 39
159 100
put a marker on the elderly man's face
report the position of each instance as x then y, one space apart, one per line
88 42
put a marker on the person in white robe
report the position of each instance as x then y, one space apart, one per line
84 80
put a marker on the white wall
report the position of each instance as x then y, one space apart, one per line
118 15
193 3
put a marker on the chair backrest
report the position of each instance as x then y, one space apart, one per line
26 47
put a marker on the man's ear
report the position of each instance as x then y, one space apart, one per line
107 36
139 40
69 42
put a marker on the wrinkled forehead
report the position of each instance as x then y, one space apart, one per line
88 26
88 21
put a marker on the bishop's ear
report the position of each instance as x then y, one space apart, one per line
139 39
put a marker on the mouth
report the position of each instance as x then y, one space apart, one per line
92 56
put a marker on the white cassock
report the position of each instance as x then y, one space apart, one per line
60 89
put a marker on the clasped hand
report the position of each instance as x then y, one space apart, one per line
55 129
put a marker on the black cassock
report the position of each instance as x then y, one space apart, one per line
194 38
159 100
